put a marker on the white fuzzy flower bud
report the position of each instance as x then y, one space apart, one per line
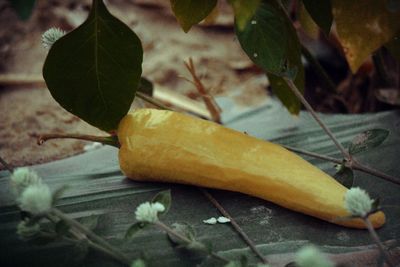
358 202
50 36
147 212
211 220
36 199
310 256
25 230
22 178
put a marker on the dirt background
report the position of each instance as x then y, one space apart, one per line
27 108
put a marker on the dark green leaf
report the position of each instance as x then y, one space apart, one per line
138 263
185 230
146 86
197 247
134 228
394 47
94 71
58 193
23 7
191 12
345 176
367 140
270 40
244 10
321 13
243 262
90 221
79 252
62 228
291 264
163 197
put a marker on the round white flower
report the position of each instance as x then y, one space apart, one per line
50 36
36 199
310 256
147 212
22 178
358 202
25 230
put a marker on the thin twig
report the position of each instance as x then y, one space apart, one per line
235 225
358 166
6 165
170 231
211 105
378 242
296 91
90 234
312 154
319 70
107 140
353 164
152 101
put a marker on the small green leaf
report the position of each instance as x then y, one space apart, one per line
138 263
185 230
345 176
135 228
321 13
244 10
146 87
367 140
163 197
58 193
191 12
94 71
90 221
62 228
23 8
243 262
270 40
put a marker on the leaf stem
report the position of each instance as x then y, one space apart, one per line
90 234
235 225
312 154
296 91
111 140
378 242
152 101
6 165
319 70
170 231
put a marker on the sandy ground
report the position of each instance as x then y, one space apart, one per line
27 110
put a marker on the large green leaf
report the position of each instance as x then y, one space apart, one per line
23 7
321 12
94 71
270 40
191 12
244 11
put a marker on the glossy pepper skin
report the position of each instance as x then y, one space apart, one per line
166 146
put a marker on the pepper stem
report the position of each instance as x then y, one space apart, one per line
111 140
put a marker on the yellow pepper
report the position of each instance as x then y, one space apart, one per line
166 146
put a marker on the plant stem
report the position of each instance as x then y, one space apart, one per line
378 242
209 101
296 91
6 165
235 225
170 231
358 166
353 164
152 101
312 154
111 140
90 234
326 80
